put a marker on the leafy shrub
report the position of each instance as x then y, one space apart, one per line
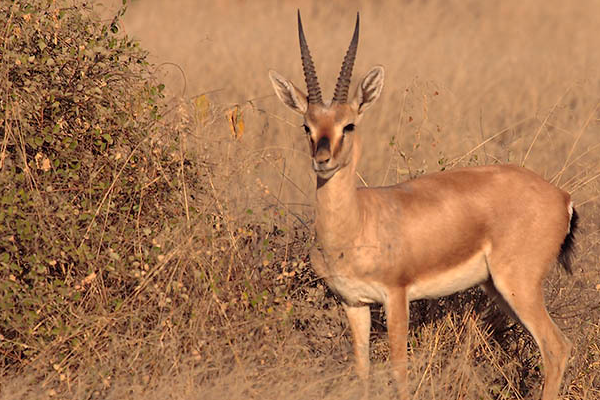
85 180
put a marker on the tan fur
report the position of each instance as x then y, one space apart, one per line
497 226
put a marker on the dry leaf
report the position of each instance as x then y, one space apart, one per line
42 162
88 279
46 165
235 117
202 109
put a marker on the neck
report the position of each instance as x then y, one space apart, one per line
338 213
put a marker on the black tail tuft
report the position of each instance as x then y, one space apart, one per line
565 257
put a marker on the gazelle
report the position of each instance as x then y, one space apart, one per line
499 226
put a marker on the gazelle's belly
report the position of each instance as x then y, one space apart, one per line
454 279
358 279
355 291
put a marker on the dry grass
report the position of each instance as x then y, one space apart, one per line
466 83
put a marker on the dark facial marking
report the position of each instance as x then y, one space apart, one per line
323 144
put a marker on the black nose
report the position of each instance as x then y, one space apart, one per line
323 159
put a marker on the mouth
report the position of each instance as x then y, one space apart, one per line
324 172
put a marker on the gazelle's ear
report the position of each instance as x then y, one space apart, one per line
369 89
289 94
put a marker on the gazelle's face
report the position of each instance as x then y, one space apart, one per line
329 127
330 133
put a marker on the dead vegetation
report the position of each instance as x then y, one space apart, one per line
197 283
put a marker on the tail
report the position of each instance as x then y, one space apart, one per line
565 257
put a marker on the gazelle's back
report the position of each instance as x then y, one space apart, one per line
512 194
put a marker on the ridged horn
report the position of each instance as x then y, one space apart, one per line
340 95
310 74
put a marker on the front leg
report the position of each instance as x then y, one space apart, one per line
360 325
396 309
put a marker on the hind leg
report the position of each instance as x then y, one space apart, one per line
524 297
489 289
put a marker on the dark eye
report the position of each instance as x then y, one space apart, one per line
306 129
349 128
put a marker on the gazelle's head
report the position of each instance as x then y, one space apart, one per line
329 126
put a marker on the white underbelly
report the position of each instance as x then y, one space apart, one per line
460 277
357 291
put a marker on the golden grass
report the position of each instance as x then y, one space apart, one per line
523 75
466 83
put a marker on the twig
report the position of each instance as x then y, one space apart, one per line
539 131
361 179
459 159
581 132
183 184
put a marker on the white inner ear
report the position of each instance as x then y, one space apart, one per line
369 89
289 94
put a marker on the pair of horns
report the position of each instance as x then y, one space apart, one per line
340 95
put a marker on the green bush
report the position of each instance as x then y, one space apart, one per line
86 179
